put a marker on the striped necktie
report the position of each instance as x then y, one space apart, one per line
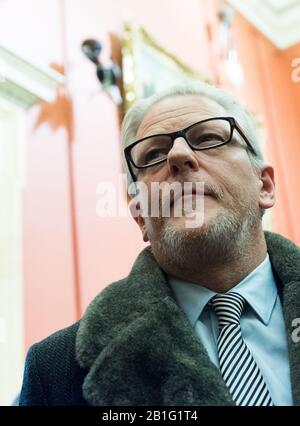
238 367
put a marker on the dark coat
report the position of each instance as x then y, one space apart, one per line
135 346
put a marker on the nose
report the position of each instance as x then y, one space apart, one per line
181 158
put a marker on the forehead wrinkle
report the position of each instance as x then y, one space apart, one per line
161 118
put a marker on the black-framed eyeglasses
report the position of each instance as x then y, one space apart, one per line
203 135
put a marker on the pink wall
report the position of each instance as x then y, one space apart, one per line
70 253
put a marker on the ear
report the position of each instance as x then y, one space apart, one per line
267 187
134 208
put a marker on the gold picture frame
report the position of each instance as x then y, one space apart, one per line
148 67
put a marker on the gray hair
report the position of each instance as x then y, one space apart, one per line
137 112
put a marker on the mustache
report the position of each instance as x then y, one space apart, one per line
169 197
192 187
164 195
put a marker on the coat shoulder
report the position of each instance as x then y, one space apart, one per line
62 339
52 375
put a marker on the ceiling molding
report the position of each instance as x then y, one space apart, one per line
278 20
25 83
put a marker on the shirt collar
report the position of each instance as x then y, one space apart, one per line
258 288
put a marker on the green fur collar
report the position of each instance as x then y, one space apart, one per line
140 348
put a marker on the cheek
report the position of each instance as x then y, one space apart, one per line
158 173
239 180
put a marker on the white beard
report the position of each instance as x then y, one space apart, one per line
217 241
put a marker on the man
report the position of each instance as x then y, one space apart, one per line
207 314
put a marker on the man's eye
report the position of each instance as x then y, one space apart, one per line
204 140
208 138
155 155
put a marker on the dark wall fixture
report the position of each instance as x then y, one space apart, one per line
107 76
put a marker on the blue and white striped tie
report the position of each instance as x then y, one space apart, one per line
238 367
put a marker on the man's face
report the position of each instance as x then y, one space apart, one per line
233 187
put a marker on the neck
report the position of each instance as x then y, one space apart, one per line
220 275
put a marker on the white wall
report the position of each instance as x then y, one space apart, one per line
12 136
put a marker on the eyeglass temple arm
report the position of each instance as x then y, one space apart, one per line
245 138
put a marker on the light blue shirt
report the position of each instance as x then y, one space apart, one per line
262 325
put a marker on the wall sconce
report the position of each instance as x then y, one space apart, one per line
107 76
230 64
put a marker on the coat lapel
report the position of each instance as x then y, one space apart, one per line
140 348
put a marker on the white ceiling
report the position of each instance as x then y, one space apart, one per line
279 20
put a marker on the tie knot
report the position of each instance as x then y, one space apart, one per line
228 308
